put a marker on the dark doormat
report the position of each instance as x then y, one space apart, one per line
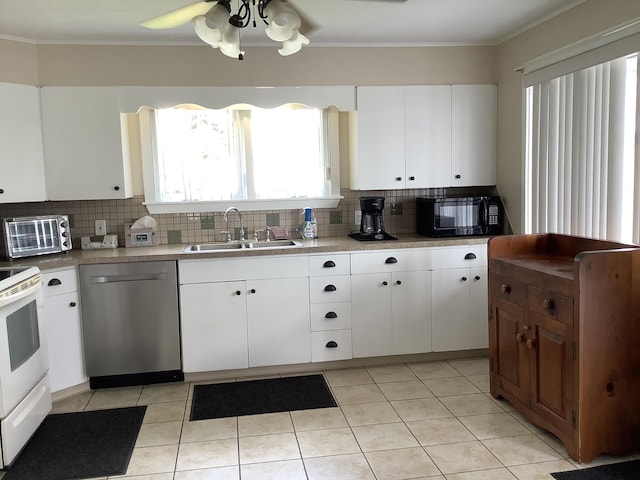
260 396
614 471
80 445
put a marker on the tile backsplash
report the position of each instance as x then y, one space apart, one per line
399 216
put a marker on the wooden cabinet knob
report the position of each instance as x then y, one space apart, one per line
519 338
505 288
531 343
549 304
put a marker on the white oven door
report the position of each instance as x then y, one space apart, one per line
23 347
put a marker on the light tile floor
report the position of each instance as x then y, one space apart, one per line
432 420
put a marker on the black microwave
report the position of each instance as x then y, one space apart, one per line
455 217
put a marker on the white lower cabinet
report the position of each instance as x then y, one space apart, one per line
460 299
214 326
391 305
244 313
64 328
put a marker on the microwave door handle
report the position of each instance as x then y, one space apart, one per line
484 215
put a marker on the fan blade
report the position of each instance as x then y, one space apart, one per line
180 16
307 26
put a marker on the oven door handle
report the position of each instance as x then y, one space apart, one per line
31 289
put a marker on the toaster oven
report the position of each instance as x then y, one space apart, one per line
38 235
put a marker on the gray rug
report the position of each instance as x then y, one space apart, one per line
615 471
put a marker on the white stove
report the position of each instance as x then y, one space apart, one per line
25 395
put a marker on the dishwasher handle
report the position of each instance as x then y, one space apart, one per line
129 277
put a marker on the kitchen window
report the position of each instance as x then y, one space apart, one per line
197 159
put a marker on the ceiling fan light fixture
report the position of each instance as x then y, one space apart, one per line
212 36
293 44
284 22
231 42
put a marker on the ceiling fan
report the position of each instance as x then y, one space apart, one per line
216 25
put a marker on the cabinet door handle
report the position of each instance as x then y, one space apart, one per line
1 190
391 260
531 343
549 304
116 188
470 256
238 292
458 177
385 283
412 178
331 344
505 288
53 282
329 264
477 277
464 279
331 315
398 282
519 338
330 288
253 290
72 304
398 179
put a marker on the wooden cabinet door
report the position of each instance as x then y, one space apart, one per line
550 345
214 326
509 354
372 330
279 321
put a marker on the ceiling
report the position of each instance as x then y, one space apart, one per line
337 22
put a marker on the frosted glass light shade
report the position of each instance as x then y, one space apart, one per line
293 45
231 42
283 21
212 36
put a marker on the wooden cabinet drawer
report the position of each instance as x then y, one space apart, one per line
459 256
331 345
330 289
391 261
551 304
330 316
320 265
57 282
508 289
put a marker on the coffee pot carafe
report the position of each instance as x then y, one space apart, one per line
371 221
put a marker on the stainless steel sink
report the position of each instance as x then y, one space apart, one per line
223 247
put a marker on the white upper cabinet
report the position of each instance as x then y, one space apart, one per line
21 161
474 126
423 136
83 144
377 157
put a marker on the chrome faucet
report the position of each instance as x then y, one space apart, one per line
234 209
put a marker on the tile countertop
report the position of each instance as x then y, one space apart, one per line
176 252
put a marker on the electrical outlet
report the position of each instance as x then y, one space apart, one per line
101 227
357 217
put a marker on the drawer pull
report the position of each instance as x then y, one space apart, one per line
391 260
329 264
331 344
54 282
238 292
505 288
330 288
331 315
470 256
72 304
549 304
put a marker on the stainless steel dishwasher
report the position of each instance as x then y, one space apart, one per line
130 323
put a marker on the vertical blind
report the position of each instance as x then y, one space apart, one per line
582 163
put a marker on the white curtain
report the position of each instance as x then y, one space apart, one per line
582 174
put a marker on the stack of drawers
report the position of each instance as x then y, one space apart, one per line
330 295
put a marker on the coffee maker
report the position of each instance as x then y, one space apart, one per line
371 220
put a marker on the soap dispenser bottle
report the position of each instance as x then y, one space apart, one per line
307 230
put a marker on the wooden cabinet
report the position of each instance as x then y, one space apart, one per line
424 136
21 159
563 323
460 299
391 302
64 328
83 138
244 312
474 130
